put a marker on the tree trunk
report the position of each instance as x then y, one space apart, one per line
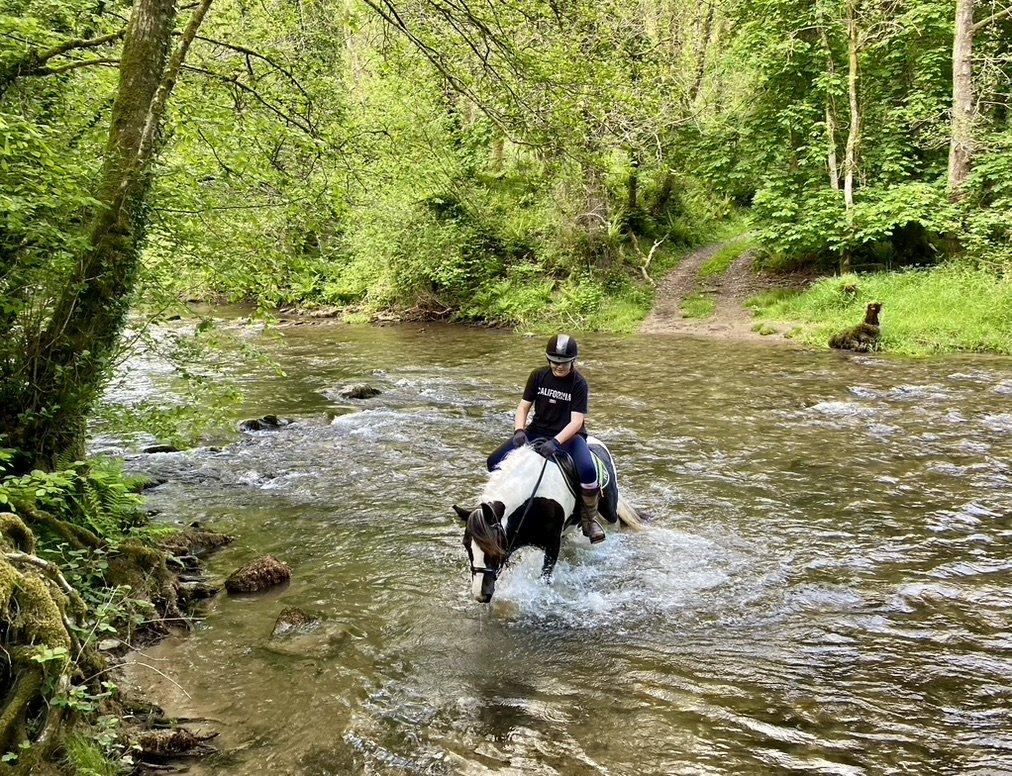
68 363
854 133
632 183
831 162
701 48
961 136
498 153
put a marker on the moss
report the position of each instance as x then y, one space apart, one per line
9 577
15 534
144 571
39 619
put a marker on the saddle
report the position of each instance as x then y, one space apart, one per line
608 506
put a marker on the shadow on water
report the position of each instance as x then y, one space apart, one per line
824 587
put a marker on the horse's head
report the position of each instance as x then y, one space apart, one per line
485 542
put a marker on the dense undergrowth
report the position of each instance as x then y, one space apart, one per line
80 565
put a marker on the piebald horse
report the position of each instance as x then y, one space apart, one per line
529 501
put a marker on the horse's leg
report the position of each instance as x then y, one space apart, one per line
551 557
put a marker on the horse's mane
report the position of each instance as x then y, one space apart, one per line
486 536
512 481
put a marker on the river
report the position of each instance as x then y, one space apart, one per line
824 586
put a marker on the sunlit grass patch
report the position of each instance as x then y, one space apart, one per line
943 309
698 306
719 263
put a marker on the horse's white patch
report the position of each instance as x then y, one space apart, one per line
514 480
479 562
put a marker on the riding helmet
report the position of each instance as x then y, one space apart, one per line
562 349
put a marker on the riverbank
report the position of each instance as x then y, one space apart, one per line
717 292
86 576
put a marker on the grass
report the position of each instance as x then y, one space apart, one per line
719 263
765 328
698 306
944 309
85 758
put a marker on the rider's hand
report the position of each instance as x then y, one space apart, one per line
549 447
519 438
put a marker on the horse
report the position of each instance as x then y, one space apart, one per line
529 501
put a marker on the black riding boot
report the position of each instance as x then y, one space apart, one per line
588 516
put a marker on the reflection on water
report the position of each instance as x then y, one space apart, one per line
824 588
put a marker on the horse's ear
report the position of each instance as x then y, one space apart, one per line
499 509
462 513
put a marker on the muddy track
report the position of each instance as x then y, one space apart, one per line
731 319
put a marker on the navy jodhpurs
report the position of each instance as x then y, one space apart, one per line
576 447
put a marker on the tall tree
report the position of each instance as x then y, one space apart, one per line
964 101
47 391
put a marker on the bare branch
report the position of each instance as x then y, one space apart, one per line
286 117
71 66
33 62
79 43
1005 12
251 53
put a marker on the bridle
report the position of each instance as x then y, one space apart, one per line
484 569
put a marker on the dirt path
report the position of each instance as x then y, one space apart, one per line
731 319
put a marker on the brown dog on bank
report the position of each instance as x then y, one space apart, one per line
863 337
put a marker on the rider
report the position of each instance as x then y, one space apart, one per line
559 395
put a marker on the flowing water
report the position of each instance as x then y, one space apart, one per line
824 587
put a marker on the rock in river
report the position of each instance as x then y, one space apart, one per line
160 449
266 423
294 621
360 391
262 574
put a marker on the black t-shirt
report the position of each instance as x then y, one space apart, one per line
555 399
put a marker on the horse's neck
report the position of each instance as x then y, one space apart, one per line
512 501
522 531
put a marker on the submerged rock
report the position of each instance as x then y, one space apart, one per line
266 423
294 621
262 574
160 449
359 391
192 592
194 541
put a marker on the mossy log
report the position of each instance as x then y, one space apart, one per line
33 615
159 744
40 615
864 337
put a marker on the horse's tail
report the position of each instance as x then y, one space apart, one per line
628 516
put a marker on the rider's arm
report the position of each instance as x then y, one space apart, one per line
571 429
523 410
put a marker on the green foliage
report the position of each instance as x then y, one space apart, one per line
988 207
949 308
93 495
